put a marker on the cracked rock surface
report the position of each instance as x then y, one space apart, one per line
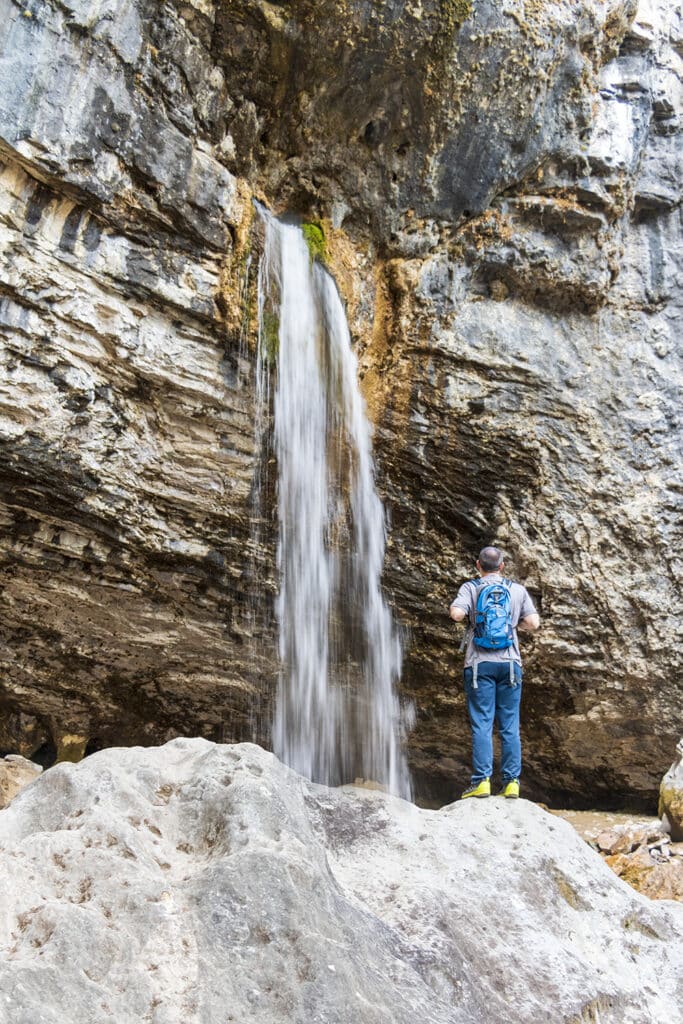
204 883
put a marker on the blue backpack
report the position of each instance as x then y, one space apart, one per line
492 628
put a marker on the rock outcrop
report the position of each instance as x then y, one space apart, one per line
15 773
205 883
500 185
671 796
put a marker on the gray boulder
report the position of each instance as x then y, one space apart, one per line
204 883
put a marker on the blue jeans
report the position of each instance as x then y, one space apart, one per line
494 700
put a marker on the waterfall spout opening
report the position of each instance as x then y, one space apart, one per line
337 714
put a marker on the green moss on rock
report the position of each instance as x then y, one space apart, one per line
270 335
316 241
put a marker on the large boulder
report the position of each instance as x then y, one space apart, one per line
671 796
206 884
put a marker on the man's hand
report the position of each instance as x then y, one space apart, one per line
457 614
530 622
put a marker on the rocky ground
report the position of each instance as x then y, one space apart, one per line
500 186
639 850
203 883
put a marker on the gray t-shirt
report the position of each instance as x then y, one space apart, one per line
521 605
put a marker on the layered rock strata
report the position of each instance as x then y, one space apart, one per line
500 188
127 443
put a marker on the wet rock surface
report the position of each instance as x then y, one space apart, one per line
195 882
503 214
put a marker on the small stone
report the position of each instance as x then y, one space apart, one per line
641 858
613 842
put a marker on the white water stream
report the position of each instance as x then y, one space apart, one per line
337 715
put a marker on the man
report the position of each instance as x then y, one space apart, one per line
493 670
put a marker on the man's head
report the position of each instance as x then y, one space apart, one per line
490 560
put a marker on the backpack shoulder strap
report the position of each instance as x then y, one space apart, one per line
470 617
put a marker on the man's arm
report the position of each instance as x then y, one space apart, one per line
529 619
460 607
530 622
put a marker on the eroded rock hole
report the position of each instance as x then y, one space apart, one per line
46 754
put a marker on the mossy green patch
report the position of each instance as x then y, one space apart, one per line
270 335
316 241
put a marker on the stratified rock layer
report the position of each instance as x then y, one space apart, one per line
500 185
127 452
201 884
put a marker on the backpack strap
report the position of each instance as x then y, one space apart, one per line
469 627
513 681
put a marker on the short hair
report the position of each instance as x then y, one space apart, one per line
491 558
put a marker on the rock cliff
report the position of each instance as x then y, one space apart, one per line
204 883
499 185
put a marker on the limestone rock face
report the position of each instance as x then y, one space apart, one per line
200 883
394 110
501 185
127 445
539 405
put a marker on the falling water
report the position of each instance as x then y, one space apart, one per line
337 715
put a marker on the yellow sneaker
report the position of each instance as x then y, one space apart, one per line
478 789
510 789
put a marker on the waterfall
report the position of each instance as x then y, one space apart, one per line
337 715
